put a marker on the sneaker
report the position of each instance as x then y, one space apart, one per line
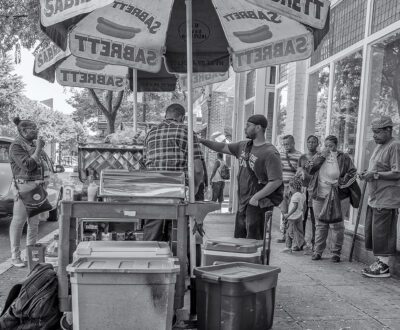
296 248
377 269
316 256
287 250
18 263
335 258
308 250
372 266
281 240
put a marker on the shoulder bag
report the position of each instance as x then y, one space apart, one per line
35 200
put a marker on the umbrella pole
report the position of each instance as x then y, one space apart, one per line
190 126
134 109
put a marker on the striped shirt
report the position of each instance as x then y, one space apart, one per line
289 168
166 147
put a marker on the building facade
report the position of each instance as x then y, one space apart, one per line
353 77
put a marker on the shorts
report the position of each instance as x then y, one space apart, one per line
381 231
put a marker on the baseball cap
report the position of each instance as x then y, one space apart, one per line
382 122
258 120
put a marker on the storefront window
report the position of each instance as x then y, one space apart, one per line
281 114
383 91
317 103
283 73
251 84
345 103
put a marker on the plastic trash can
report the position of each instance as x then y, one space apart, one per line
236 296
123 295
122 250
227 249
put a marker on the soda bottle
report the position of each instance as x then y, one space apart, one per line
51 255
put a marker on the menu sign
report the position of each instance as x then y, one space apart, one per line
56 11
310 12
260 38
79 72
48 56
203 79
129 32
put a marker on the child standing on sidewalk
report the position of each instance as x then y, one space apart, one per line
294 219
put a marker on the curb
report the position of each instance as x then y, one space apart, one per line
6 265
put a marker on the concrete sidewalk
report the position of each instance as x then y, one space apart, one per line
321 294
310 294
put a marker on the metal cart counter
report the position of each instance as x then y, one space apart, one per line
72 211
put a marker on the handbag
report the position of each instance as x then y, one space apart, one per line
275 198
35 200
355 195
331 211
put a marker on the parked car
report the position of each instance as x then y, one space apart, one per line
54 188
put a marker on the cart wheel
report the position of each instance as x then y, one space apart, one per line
64 323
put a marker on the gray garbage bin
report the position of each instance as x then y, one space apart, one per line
236 296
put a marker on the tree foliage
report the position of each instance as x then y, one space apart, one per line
19 20
89 104
53 125
11 88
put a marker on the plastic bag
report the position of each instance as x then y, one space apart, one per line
331 210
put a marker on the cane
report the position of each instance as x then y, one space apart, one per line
267 229
363 188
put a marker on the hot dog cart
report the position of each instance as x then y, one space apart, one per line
128 194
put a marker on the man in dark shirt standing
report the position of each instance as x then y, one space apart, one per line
260 175
166 149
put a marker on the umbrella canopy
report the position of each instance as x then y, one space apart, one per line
52 63
247 33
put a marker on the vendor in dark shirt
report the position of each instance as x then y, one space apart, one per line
260 176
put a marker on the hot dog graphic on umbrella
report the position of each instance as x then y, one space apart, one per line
87 64
261 33
115 30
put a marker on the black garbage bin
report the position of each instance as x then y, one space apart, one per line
236 296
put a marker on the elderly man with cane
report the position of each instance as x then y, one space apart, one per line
383 180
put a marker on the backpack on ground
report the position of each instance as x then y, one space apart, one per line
225 172
34 303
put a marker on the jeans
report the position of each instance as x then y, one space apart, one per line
249 223
284 209
294 233
309 208
218 191
18 221
322 230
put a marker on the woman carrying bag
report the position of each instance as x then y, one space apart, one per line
333 172
30 172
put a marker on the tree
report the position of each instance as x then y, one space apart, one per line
19 20
88 104
11 87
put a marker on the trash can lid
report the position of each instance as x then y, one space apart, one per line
230 244
235 272
87 249
84 265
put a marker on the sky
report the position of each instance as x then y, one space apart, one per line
39 89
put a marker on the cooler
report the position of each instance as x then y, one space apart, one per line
236 296
227 249
123 295
122 250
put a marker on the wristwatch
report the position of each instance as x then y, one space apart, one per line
376 175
